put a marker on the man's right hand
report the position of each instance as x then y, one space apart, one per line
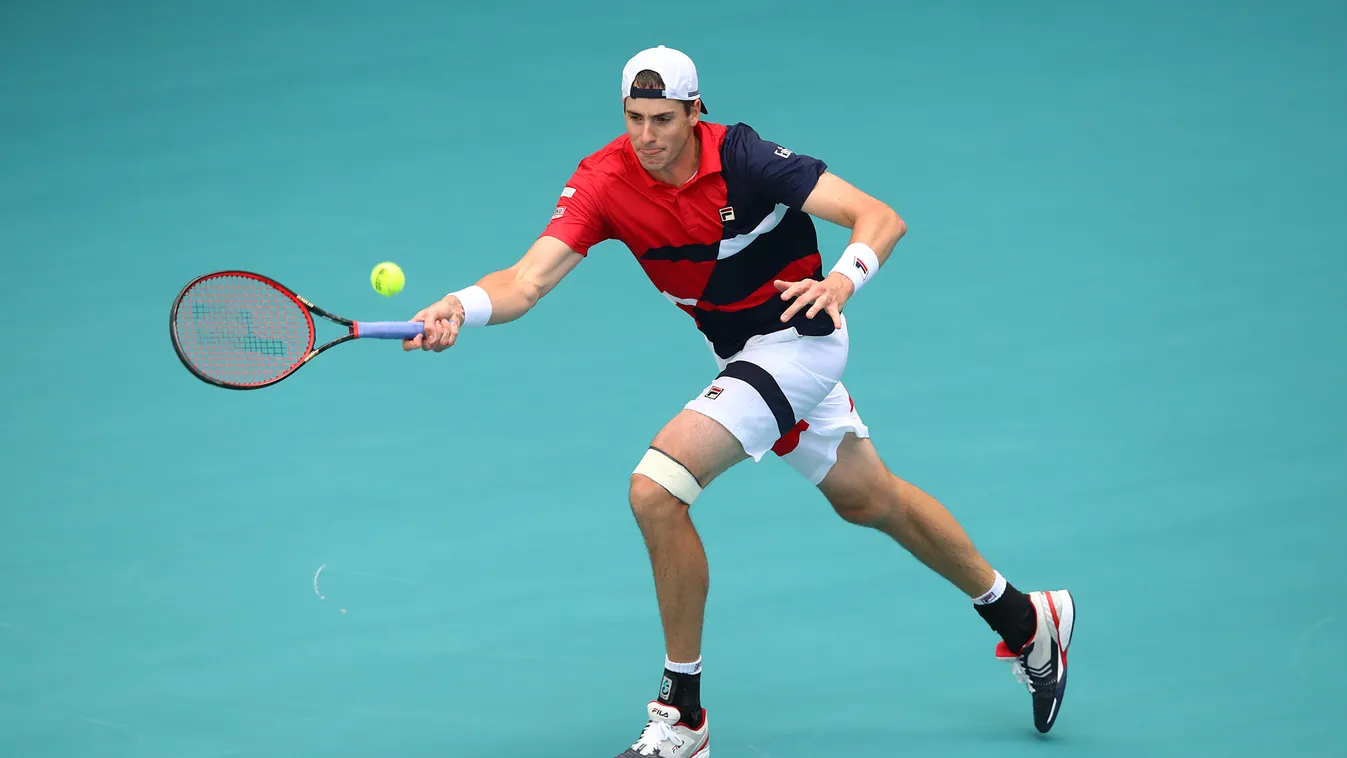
442 322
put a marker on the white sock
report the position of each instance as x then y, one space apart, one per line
683 668
993 594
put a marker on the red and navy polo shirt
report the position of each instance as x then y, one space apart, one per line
715 245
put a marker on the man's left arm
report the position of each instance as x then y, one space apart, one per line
875 230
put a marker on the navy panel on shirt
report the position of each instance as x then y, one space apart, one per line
775 173
766 237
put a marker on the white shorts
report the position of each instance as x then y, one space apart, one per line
783 392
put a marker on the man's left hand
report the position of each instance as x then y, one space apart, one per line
828 295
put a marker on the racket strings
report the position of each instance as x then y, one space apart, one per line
241 330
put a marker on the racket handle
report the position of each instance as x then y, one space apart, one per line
389 330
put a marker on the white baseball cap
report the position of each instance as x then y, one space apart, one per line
673 66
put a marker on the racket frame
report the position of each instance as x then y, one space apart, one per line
308 308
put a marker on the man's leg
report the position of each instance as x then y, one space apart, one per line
1036 628
863 491
706 449
691 451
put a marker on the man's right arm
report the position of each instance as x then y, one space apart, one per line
578 223
497 298
515 290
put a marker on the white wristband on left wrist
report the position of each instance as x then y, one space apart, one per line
858 263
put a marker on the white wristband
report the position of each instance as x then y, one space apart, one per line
476 305
858 263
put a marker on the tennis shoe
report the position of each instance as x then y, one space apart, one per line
665 736
1041 664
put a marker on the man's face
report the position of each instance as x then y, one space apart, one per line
659 130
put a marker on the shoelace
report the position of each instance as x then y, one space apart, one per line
656 733
1023 676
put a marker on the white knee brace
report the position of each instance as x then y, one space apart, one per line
669 474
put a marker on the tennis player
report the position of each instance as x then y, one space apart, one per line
721 221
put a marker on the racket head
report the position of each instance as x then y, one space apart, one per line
240 330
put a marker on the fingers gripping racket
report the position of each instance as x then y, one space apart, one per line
244 331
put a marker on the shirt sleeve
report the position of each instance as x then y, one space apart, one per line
772 170
579 220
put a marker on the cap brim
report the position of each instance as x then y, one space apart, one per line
703 105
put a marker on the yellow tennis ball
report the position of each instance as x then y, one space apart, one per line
387 279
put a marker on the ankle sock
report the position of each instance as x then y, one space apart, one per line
1008 612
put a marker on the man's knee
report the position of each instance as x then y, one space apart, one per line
873 506
651 502
860 488
660 478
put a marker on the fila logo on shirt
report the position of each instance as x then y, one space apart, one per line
713 393
727 213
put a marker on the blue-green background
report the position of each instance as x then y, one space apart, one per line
1112 343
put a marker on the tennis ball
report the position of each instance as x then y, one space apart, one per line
387 279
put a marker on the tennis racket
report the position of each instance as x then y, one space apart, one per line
244 331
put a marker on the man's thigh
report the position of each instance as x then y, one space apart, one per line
701 444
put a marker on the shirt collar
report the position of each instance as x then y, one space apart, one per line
710 159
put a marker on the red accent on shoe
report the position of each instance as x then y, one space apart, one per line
1056 622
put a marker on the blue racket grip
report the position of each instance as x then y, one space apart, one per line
389 330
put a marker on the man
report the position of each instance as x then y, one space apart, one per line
720 220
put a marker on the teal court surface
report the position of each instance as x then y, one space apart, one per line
1112 343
